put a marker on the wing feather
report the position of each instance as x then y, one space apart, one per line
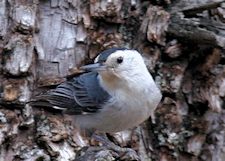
81 94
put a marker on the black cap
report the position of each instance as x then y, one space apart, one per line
106 53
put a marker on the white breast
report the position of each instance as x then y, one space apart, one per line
123 112
131 104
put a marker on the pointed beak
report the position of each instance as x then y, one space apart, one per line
94 67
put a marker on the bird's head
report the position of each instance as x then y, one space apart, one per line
122 69
117 62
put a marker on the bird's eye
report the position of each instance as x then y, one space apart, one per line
119 60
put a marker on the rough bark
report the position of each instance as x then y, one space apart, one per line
43 42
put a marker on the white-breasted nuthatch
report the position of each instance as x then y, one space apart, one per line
116 94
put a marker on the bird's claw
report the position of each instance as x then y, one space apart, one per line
126 154
129 155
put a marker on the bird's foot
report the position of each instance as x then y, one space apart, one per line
128 154
124 153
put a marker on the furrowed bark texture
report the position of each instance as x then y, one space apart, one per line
183 41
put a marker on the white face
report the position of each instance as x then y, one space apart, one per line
123 61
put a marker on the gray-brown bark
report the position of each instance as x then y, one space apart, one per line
43 42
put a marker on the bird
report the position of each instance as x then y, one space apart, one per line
115 93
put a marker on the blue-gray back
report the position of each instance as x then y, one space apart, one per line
81 94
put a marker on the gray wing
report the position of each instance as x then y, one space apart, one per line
81 94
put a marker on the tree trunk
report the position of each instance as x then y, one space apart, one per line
44 42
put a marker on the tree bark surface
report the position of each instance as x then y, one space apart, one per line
183 41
